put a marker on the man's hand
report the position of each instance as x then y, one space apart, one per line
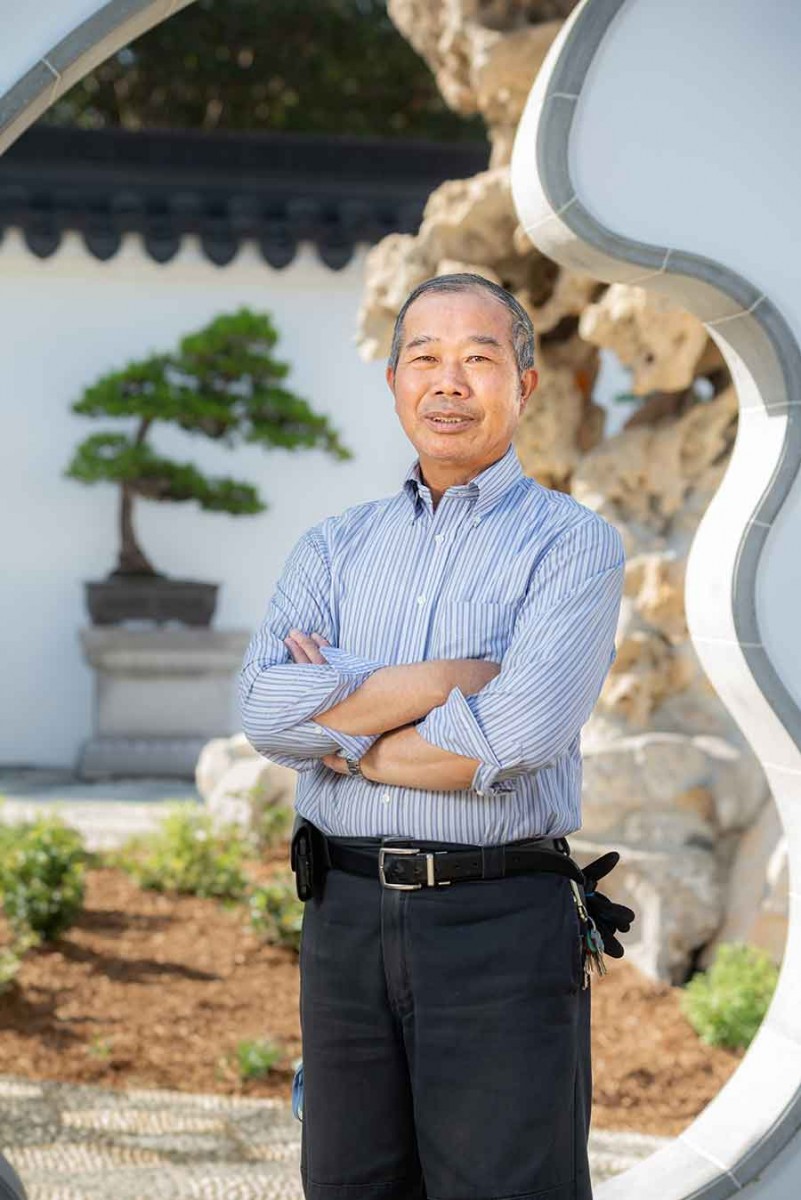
370 761
304 647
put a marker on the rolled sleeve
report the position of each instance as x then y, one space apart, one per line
561 649
278 696
453 726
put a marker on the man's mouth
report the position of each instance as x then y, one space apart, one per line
446 424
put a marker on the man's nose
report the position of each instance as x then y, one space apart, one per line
451 382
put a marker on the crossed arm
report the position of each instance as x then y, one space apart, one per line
325 699
387 704
443 724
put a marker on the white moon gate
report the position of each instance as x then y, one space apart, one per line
659 146
47 46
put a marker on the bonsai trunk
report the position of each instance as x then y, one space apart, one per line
132 559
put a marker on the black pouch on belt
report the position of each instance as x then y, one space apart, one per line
307 857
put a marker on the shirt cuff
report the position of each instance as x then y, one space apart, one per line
453 726
284 696
354 745
349 664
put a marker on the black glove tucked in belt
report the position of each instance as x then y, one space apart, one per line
610 918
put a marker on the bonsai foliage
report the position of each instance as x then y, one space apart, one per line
222 383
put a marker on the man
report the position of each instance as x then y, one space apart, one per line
426 663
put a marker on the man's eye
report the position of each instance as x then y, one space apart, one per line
421 357
481 356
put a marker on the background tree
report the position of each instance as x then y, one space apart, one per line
323 66
224 383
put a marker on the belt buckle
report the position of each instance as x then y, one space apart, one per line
410 887
382 854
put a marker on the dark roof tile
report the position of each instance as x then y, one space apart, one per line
277 189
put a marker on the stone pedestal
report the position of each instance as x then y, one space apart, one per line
160 695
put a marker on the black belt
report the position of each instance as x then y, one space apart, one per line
409 865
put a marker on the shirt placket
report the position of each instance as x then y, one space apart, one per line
439 527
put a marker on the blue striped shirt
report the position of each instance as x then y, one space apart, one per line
502 569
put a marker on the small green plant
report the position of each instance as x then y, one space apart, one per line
10 963
255 1059
189 853
277 913
11 956
42 868
99 1047
726 1004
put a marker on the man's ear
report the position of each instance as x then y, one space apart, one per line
389 375
528 382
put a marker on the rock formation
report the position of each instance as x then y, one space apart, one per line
484 54
239 785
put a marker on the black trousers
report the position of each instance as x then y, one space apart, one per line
446 1041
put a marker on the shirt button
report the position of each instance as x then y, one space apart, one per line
421 599
438 537
385 797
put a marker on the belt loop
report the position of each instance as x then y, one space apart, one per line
492 862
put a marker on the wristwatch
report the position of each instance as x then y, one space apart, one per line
353 766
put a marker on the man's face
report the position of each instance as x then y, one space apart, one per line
457 359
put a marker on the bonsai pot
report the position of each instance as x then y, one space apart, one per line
150 598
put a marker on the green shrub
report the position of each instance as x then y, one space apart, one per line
188 853
11 956
726 1004
277 913
256 1059
42 867
10 963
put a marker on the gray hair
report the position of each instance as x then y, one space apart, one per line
465 281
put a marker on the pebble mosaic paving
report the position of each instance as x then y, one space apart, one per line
80 1142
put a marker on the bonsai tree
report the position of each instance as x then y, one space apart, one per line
222 383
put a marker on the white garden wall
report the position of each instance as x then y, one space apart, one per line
67 319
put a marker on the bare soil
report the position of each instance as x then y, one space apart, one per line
152 989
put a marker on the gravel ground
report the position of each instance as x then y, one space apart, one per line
65 1140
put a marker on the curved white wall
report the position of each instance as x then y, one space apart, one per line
47 47
33 28
658 148
716 83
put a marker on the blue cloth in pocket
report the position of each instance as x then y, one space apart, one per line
297 1093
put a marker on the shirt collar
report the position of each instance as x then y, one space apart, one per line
487 487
